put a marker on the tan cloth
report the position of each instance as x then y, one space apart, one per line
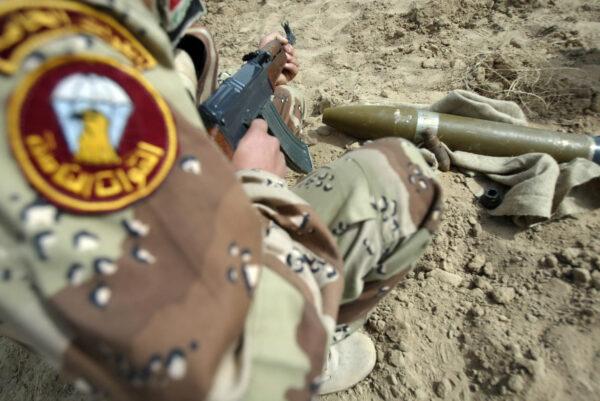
469 104
539 187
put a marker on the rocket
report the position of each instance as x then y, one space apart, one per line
459 133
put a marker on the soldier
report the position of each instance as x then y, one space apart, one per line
142 263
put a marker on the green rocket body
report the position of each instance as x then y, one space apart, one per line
460 133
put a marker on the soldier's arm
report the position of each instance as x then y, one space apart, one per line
128 250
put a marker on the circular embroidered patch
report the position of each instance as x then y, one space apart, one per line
91 135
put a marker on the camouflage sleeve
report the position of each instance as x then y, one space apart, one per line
129 252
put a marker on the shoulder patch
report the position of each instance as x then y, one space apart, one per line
91 135
27 25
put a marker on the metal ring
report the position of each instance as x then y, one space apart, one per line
596 150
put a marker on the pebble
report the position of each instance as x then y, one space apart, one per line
476 311
530 317
395 358
476 230
535 367
596 280
392 380
476 264
516 383
396 332
515 259
504 295
581 276
515 42
446 277
549 261
447 266
488 270
442 388
428 265
482 284
430 63
322 104
377 325
569 255
402 346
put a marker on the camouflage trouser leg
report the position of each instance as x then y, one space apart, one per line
383 204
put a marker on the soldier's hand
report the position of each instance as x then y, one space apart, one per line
292 66
259 150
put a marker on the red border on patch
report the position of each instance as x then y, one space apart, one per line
146 150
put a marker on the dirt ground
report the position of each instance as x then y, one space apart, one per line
492 312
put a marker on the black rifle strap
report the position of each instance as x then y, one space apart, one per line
296 151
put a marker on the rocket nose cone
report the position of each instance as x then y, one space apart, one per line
344 118
360 121
336 115
329 116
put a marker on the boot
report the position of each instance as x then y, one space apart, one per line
349 361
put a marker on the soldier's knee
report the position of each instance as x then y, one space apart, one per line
400 149
397 172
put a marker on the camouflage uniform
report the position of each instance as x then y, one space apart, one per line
203 288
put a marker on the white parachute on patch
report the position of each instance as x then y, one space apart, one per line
81 92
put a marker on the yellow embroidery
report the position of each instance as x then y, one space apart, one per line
103 184
32 24
29 22
94 145
69 184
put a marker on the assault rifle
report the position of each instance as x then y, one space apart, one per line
246 96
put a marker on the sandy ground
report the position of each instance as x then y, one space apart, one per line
492 312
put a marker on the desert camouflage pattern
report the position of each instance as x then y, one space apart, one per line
216 286
383 204
289 103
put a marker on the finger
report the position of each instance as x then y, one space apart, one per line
282 39
259 125
282 79
276 36
282 166
291 68
275 143
293 60
289 49
271 37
